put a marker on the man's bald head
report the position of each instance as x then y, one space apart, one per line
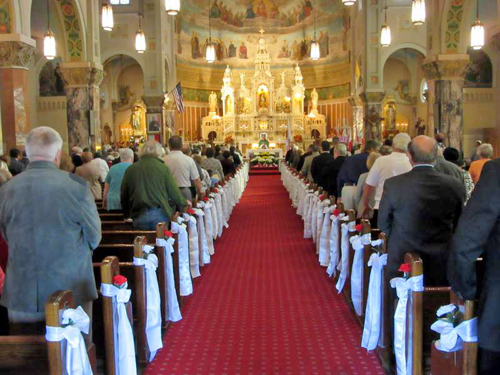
423 150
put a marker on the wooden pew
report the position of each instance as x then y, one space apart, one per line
126 236
111 225
461 362
33 354
111 216
423 311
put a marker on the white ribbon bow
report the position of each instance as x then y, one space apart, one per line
404 287
153 304
334 245
343 266
185 283
173 312
194 247
357 273
373 317
452 338
124 336
75 357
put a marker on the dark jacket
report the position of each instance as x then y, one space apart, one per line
302 159
330 173
418 212
478 234
353 167
317 166
49 219
16 167
228 166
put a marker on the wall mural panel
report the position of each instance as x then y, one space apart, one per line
288 27
5 17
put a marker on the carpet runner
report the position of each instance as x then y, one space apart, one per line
264 305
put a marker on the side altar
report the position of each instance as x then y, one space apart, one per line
262 111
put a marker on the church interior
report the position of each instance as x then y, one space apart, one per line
262 76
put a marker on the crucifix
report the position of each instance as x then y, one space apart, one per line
261 31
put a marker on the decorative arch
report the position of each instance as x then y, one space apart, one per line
106 56
391 49
71 16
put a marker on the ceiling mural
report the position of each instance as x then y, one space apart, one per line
287 26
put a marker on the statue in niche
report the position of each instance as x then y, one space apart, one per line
212 99
136 119
420 126
298 75
262 100
229 104
372 124
391 116
314 99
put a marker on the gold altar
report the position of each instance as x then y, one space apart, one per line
262 111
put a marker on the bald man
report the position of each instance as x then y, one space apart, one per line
419 211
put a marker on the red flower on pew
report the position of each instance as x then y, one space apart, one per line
191 211
322 198
205 199
359 227
336 212
119 281
216 191
167 233
405 267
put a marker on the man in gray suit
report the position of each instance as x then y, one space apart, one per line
306 168
49 219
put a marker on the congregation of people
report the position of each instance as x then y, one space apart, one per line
49 220
427 200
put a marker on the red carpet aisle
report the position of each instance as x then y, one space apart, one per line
264 306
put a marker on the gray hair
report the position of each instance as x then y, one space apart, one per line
126 154
341 149
485 151
43 143
314 148
371 145
400 142
420 156
152 148
4 176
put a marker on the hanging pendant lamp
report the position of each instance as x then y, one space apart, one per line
477 32
173 7
418 12
385 32
315 51
107 16
348 3
210 52
140 37
49 40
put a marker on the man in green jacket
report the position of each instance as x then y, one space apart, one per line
149 193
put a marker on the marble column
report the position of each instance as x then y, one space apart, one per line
154 104
357 118
82 80
373 114
15 55
444 74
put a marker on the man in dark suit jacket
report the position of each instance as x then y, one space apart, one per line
478 234
419 211
331 171
15 166
320 162
355 165
303 158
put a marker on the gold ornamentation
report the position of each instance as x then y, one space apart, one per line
445 69
82 77
15 54
373 96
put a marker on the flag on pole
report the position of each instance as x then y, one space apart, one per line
288 136
178 98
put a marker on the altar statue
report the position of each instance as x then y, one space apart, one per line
213 102
262 100
263 143
314 99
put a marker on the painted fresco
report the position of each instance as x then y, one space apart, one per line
479 72
51 82
288 29
5 20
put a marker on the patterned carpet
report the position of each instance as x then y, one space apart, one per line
264 305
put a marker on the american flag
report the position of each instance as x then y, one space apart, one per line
178 98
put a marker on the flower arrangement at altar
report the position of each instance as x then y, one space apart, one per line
265 159
297 138
229 140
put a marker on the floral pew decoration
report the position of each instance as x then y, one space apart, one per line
153 302
348 227
454 330
185 282
194 246
116 296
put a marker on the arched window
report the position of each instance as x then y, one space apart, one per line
120 2
424 88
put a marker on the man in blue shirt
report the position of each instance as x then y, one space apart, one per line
113 183
354 166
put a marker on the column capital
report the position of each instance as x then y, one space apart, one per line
373 96
445 67
155 103
16 51
82 74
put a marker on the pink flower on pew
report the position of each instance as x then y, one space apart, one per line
405 267
336 212
167 233
120 281
359 227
